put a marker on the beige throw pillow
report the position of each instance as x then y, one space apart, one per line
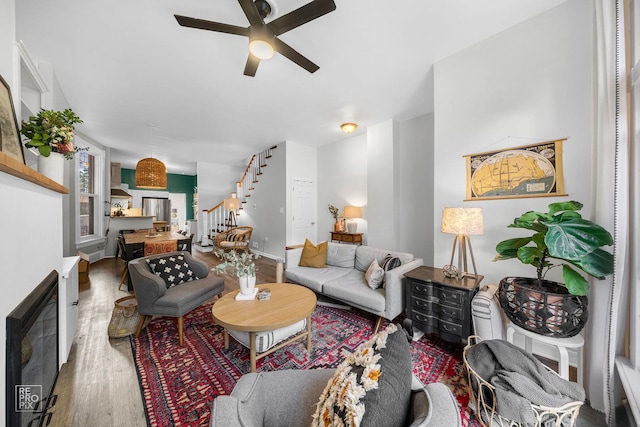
314 256
374 275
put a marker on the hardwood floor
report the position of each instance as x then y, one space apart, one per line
98 386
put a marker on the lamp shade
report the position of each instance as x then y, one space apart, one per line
465 221
231 203
151 173
352 212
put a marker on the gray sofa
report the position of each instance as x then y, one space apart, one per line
289 398
343 278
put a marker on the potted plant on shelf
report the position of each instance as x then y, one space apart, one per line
51 133
561 237
240 265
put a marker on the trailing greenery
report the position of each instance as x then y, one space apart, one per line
561 234
234 263
52 131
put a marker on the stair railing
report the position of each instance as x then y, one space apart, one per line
216 219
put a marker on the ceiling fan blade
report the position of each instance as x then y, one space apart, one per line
252 65
201 24
302 15
290 53
251 12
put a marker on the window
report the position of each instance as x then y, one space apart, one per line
90 194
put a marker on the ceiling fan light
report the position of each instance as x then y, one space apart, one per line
348 127
260 49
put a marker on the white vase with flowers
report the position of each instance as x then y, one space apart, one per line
240 265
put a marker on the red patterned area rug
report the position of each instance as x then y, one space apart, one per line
179 384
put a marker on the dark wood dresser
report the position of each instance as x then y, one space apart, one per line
439 304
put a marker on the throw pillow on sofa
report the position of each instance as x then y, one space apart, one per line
372 386
389 263
314 256
374 275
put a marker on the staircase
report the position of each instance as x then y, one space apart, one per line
220 217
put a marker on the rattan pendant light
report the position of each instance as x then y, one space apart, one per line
150 172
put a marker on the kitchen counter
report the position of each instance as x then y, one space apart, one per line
132 216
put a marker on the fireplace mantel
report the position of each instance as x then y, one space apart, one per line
13 167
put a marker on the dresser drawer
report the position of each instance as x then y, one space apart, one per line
423 305
425 322
450 328
450 296
422 290
451 312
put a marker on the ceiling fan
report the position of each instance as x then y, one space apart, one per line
263 38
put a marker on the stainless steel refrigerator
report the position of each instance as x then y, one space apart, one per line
158 207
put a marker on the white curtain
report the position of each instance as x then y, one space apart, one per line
611 154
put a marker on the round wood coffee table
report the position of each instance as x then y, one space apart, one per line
288 304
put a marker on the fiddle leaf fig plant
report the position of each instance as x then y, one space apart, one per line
563 235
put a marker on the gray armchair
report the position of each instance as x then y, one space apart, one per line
155 298
289 398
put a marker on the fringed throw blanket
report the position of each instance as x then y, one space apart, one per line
520 380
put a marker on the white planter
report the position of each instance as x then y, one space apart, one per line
247 284
52 167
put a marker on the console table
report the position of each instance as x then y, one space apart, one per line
439 304
346 237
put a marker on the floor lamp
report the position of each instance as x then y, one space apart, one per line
232 204
462 222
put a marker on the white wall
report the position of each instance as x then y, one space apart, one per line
31 249
416 187
7 32
401 183
262 210
533 82
34 218
383 185
342 181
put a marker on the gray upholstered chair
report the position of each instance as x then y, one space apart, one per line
157 298
289 398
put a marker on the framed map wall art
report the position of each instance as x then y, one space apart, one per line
526 171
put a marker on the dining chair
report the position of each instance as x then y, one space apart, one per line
120 233
185 244
133 253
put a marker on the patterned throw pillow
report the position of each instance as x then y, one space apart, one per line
173 269
371 387
374 275
389 263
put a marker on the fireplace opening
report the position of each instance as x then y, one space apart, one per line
32 356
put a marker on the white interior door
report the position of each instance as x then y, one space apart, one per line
304 210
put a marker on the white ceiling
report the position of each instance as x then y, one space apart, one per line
126 64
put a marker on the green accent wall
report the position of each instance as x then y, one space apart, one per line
175 184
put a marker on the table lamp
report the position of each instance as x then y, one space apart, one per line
232 204
463 222
351 212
